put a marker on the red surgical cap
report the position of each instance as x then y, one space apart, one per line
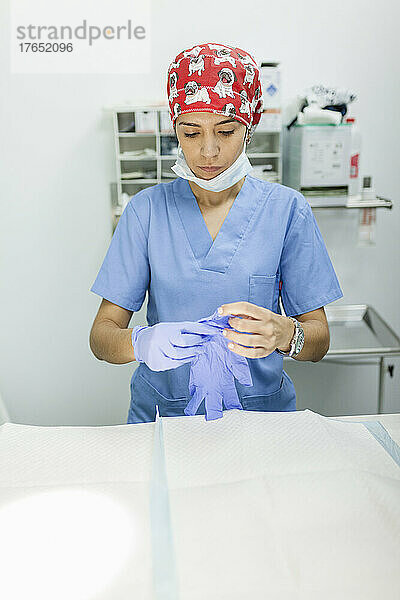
216 78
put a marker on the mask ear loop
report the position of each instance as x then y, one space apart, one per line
246 137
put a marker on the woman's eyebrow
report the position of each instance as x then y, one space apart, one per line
197 125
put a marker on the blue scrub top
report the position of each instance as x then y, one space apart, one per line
162 245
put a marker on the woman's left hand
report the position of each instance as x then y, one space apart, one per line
257 327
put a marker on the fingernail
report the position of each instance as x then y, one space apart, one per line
220 310
230 345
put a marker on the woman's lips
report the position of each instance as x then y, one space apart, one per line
210 169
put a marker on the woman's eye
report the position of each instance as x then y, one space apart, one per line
196 133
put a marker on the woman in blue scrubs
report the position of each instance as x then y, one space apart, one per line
216 237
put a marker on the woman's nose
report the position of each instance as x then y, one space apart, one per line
209 148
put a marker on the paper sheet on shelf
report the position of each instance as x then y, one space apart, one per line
282 505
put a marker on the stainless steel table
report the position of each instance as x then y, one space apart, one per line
358 330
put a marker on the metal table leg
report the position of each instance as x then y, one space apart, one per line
381 388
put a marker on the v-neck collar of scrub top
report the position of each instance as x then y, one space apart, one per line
215 255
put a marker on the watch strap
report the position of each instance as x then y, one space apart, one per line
297 341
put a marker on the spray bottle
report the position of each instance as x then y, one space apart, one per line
355 151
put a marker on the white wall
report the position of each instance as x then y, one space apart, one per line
57 164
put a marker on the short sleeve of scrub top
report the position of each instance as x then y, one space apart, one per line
308 278
123 278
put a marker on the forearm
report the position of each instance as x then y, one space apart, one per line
316 340
111 343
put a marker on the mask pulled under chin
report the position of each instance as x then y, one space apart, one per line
223 181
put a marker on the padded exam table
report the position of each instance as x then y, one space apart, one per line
253 505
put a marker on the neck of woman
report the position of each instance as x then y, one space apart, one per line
215 199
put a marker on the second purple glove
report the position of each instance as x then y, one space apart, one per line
213 372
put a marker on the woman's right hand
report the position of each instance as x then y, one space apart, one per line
169 345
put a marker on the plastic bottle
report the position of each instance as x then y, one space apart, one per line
355 151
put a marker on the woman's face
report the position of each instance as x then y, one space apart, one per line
209 140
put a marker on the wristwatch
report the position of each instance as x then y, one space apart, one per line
297 341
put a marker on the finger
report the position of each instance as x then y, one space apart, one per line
243 308
213 406
199 328
239 368
193 334
194 402
231 398
185 340
248 352
245 339
212 318
179 354
245 325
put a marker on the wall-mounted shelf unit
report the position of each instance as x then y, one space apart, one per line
145 150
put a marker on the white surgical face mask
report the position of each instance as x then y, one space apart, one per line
223 181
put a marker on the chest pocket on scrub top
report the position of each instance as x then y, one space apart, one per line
261 290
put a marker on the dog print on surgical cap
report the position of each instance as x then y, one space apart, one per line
203 77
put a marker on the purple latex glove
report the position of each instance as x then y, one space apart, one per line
169 345
213 371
